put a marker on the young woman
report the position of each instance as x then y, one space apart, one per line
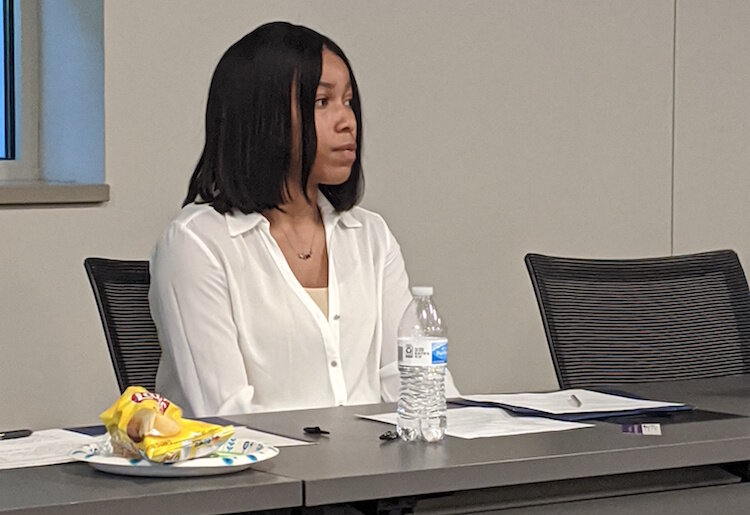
271 290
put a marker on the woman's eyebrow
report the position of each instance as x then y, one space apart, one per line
330 85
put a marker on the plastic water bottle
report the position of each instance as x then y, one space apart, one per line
422 358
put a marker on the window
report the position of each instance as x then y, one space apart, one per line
54 50
7 105
21 91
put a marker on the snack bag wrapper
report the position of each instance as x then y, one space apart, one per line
148 425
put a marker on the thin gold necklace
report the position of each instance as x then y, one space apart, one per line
304 256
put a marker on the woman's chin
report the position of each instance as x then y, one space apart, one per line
335 177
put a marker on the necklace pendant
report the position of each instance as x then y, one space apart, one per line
304 256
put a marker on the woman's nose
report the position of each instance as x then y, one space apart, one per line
347 121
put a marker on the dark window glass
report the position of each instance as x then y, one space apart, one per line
7 105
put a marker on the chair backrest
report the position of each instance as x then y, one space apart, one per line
626 321
121 291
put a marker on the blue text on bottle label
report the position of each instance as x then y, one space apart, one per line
422 351
440 352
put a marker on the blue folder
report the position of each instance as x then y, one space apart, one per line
578 416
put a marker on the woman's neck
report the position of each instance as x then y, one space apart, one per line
297 209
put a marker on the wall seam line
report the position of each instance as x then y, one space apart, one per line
674 82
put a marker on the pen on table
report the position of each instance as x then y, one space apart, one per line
575 401
18 433
315 430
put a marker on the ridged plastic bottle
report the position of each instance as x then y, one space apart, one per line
422 358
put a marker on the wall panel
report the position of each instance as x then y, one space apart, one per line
712 127
492 129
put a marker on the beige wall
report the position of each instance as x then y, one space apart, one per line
492 129
712 127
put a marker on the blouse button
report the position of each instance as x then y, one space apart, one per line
336 317
334 363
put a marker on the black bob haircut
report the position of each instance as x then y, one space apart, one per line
247 155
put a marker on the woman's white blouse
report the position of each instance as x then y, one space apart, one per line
239 333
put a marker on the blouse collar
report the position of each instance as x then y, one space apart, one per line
238 222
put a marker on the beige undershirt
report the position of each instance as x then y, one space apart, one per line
320 296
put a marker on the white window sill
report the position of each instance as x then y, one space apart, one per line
40 192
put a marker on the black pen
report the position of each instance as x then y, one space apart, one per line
18 433
315 430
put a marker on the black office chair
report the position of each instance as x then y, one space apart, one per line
121 291
627 321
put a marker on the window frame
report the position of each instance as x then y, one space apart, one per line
23 181
26 26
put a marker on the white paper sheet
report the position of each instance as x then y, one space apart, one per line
267 438
45 447
474 422
571 401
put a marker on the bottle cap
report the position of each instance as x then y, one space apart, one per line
421 291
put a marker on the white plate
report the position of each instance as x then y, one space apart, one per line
99 455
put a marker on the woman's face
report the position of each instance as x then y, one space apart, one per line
335 123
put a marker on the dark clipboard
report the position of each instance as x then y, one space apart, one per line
579 416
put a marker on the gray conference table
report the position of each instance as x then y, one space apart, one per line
582 471
353 464
76 488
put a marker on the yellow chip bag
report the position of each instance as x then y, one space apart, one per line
146 424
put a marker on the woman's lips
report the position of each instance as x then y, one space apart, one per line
345 153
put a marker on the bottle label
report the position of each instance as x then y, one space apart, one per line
420 352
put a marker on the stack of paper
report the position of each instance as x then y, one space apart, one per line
46 447
572 404
267 438
486 422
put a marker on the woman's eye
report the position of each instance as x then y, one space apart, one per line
321 102
348 103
